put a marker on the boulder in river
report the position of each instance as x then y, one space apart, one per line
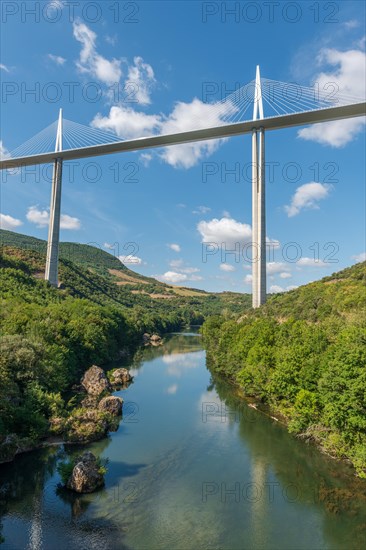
95 381
111 404
86 476
120 377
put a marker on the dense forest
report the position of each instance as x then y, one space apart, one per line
303 354
50 336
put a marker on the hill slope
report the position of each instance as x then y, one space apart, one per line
304 355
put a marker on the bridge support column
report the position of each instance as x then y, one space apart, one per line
259 271
51 273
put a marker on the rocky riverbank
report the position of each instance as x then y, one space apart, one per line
97 413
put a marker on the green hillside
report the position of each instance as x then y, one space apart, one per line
303 354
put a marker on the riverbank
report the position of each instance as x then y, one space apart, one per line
303 364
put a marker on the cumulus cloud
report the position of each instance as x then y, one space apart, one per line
175 247
141 77
310 262
130 259
285 275
8 222
248 279
349 77
92 63
42 218
130 124
307 196
227 267
277 267
189 116
184 275
127 123
56 59
224 231
359 257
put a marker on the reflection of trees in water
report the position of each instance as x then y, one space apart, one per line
309 477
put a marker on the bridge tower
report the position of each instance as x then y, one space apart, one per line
51 273
259 271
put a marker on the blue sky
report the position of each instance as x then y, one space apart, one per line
169 203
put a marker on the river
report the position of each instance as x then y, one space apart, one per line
190 467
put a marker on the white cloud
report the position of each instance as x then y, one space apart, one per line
285 275
248 279
352 24
225 230
127 123
202 210
227 267
175 247
172 390
130 260
349 78
145 158
276 288
8 222
57 59
291 287
307 196
108 246
90 62
141 76
277 267
189 116
176 263
4 153
189 270
310 262
173 277
42 218
4 68
359 257
68 222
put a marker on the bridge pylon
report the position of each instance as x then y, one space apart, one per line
51 273
259 268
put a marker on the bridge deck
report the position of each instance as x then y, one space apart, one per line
228 130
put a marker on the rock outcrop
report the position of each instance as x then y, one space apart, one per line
111 404
95 381
120 377
86 476
152 339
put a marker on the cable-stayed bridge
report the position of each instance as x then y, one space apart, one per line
241 112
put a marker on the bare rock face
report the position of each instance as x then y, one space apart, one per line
120 377
155 340
95 381
85 477
111 404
